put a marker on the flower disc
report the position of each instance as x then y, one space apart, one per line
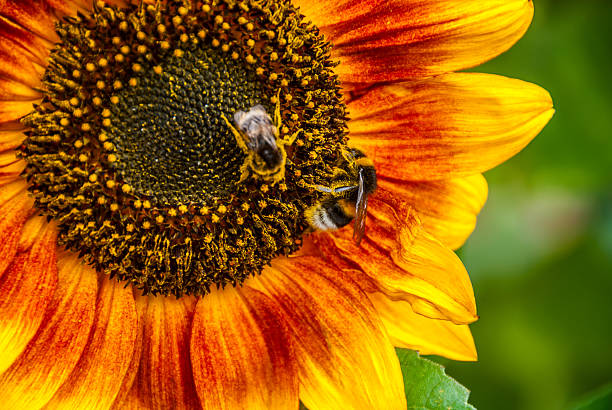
129 153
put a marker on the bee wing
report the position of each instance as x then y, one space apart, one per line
238 116
259 108
240 138
343 189
322 188
337 190
361 206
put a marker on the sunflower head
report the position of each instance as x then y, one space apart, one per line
129 151
184 146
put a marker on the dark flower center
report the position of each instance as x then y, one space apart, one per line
132 150
171 142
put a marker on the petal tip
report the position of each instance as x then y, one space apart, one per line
541 120
472 356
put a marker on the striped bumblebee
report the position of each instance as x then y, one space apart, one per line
347 196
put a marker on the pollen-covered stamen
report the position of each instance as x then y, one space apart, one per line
129 153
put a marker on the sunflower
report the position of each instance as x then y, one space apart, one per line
149 259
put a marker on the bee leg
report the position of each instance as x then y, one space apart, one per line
278 177
248 161
239 137
277 115
244 169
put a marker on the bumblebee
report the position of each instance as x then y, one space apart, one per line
259 139
347 196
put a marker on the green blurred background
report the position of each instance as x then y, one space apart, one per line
541 256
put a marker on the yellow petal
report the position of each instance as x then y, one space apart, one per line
381 41
450 126
98 375
345 358
54 351
402 260
410 330
447 208
26 289
241 355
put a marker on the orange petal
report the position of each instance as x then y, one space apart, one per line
107 354
17 91
11 192
344 355
405 262
69 7
26 289
54 351
128 393
14 110
12 172
428 336
164 378
16 64
39 16
449 126
32 230
409 39
8 178
35 16
327 15
7 158
9 140
31 44
131 401
447 208
15 207
241 354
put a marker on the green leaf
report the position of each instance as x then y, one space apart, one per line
599 400
428 387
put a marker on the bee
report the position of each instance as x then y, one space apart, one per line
259 140
347 197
